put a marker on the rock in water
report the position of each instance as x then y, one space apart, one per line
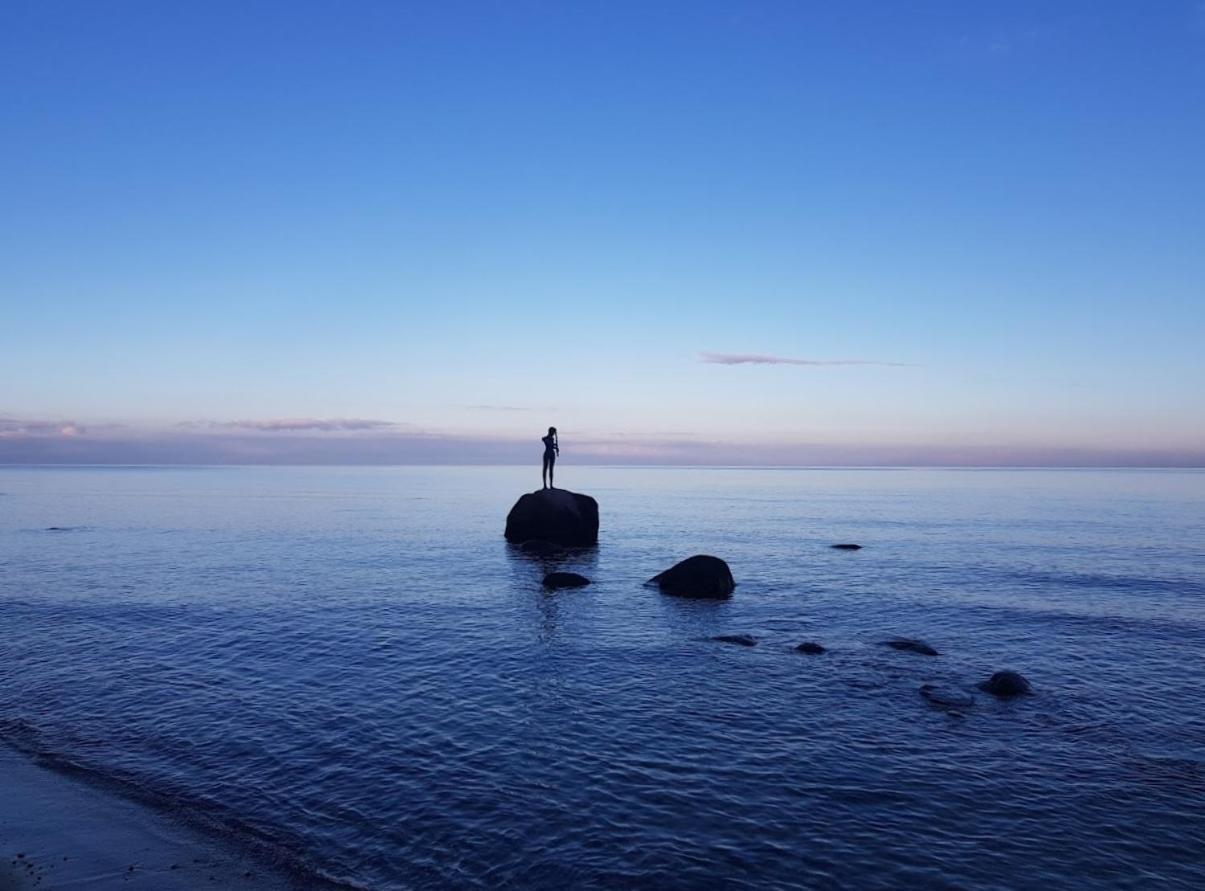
554 515
565 580
812 649
539 548
1005 684
946 697
846 547
744 640
700 576
911 646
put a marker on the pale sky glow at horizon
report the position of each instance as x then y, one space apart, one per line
769 233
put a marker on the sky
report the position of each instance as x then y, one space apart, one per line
697 232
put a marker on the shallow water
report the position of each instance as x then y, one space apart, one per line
352 667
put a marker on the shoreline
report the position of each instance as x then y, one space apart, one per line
61 832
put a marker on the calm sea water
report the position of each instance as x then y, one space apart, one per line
352 667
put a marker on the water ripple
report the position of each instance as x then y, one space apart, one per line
352 671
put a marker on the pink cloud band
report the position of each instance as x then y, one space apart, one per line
760 359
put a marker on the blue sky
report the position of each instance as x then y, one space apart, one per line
415 232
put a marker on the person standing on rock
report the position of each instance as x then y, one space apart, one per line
551 450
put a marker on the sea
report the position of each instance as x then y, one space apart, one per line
350 671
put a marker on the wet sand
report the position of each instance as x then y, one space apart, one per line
58 832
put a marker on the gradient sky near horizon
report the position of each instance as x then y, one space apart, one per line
781 232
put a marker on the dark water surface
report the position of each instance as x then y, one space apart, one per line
352 666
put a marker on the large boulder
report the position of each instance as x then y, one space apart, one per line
554 515
701 576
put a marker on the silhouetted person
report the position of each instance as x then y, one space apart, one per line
551 450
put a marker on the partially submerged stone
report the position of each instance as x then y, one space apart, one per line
557 516
558 580
701 576
910 645
846 547
1005 684
946 697
744 640
540 548
810 648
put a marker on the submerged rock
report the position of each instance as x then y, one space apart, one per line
1005 684
539 547
944 697
812 649
557 516
846 547
701 576
565 580
910 645
745 640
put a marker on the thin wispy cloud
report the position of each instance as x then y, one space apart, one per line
509 408
761 359
285 425
19 427
45 441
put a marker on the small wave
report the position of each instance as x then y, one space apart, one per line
1108 622
1098 581
283 855
1178 772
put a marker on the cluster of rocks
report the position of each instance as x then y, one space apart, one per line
701 577
545 522
1002 684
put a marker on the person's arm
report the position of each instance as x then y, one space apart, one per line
556 444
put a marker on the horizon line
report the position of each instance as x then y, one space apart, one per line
626 466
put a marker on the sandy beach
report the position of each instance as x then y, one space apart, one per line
57 832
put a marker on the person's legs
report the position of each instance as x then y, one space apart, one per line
551 467
544 472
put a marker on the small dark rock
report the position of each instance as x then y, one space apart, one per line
1005 684
701 576
944 697
812 649
745 640
846 547
911 646
565 580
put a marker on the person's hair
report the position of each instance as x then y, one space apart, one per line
552 431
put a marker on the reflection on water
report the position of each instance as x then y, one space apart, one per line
353 664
